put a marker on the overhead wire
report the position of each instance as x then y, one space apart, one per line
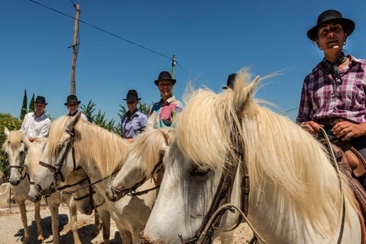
110 33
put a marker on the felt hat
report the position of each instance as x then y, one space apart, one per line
165 75
230 81
132 96
331 15
40 99
72 99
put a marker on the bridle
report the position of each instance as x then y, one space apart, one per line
219 204
91 190
56 170
21 166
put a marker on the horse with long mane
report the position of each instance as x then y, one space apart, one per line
16 150
24 157
296 195
73 143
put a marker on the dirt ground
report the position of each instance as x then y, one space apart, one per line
11 230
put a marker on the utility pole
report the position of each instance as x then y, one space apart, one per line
174 62
75 50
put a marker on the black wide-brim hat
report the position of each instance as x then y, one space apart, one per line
331 15
40 99
72 99
230 81
132 95
165 75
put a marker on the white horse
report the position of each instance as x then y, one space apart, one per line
101 154
295 194
24 157
143 160
16 151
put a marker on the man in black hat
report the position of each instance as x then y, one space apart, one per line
72 104
168 106
133 121
36 123
333 94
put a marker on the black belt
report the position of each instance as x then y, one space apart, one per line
329 121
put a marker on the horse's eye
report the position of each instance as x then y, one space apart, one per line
200 171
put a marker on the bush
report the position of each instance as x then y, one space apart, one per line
6 120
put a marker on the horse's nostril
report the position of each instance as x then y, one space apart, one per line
15 183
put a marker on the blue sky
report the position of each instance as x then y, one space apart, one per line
210 39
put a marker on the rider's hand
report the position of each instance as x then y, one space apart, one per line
346 130
312 127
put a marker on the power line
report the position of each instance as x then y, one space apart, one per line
290 110
110 33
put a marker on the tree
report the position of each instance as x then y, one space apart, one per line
31 104
24 110
88 110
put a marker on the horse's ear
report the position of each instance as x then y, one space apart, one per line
6 131
243 94
152 120
73 121
25 140
77 117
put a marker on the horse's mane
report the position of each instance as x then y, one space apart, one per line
94 144
147 148
278 152
13 140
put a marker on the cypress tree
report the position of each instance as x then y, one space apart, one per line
31 104
23 112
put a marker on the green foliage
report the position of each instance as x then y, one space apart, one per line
31 104
6 120
88 110
144 108
24 110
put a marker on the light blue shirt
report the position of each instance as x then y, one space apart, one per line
133 125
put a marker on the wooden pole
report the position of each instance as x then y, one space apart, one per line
75 49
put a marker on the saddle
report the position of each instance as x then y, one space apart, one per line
352 165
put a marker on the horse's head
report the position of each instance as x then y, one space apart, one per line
79 185
32 162
58 158
16 146
202 167
144 158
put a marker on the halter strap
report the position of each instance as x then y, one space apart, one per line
57 168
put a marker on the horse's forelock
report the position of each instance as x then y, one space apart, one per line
148 145
13 140
34 154
204 128
56 131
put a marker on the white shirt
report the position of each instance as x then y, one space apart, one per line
37 126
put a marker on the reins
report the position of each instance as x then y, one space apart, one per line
335 165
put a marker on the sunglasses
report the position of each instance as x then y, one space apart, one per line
131 102
72 104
